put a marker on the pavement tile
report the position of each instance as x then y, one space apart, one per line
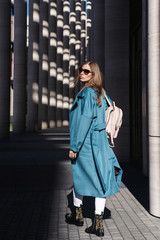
37 194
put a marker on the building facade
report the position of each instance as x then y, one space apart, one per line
122 36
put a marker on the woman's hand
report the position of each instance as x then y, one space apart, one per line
72 154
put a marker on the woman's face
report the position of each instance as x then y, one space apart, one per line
85 73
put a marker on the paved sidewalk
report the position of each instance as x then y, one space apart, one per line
36 193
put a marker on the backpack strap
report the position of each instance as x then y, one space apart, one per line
109 135
107 99
110 141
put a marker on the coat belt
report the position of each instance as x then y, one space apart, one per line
100 126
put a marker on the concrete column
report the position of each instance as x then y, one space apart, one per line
78 40
43 65
72 41
66 63
59 86
20 64
12 63
154 104
52 53
144 90
33 67
89 25
116 75
83 31
5 48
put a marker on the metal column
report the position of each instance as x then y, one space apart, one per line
43 65
5 48
33 67
89 25
83 31
72 41
59 86
52 54
20 67
66 63
78 40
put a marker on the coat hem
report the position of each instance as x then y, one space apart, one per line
107 194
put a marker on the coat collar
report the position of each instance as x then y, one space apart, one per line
79 96
75 103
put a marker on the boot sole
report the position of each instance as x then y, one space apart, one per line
75 223
98 235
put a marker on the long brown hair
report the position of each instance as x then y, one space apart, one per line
96 81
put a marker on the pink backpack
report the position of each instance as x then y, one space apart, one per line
113 118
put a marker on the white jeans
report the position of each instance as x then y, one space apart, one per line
99 203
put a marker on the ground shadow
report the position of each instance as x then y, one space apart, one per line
35 174
137 183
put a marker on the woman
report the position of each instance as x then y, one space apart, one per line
93 161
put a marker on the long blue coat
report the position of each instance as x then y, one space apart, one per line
94 168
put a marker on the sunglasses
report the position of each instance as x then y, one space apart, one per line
86 71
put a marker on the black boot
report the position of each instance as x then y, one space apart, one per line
76 217
97 226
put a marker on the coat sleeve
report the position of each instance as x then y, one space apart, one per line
82 121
